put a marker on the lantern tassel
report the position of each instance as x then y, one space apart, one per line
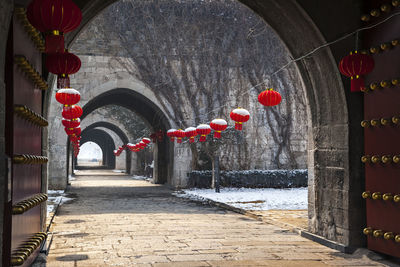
217 134
191 140
172 139
63 81
357 84
179 140
202 138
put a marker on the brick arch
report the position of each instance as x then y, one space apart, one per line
330 199
106 143
151 113
335 138
118 131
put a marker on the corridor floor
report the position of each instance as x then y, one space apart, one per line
117 221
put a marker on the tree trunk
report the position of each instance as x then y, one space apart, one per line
215 174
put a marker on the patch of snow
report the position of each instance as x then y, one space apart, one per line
56 197
253 198
118 171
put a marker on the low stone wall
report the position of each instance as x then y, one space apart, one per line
251 178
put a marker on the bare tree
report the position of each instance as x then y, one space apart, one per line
200 58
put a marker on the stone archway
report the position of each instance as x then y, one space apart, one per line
119 132
106 143
331 189
334 114
163 161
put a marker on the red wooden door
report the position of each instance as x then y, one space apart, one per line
382 136
24 143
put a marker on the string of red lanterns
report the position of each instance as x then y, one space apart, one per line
54 18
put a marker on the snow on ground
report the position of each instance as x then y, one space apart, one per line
253 198
56 197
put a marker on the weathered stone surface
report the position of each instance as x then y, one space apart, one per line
141 223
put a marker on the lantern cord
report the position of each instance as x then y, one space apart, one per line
313 51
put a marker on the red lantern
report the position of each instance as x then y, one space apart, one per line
191 133
74 138
142 144
71 123
54 18
72 112
129 146
269 98
69 131
218 125
146 140
354 66
203 130
239 115
153 137
77 131
179 134
63 64
160 135
68 96
171 134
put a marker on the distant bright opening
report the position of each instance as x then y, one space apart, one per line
90 155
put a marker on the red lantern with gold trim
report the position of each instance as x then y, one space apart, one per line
269 98
354 66
68 96
54 18
63 65
77 131
72 112
146 140
239 115
171 134
179 134
218 125
71 123
203 130
191 133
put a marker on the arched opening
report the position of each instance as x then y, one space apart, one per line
150 113
123 137
334 114
105 142
91 155
328 133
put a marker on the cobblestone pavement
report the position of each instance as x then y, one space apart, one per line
118 221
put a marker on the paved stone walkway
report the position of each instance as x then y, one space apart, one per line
118 221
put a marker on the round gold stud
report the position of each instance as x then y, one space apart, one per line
365 159
366 194
378 233
365 124
366 17
386 8
375 13
376 195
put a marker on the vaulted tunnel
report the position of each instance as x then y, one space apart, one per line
118 131
151 114
106 143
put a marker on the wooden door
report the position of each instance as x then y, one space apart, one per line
382 134
24 125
